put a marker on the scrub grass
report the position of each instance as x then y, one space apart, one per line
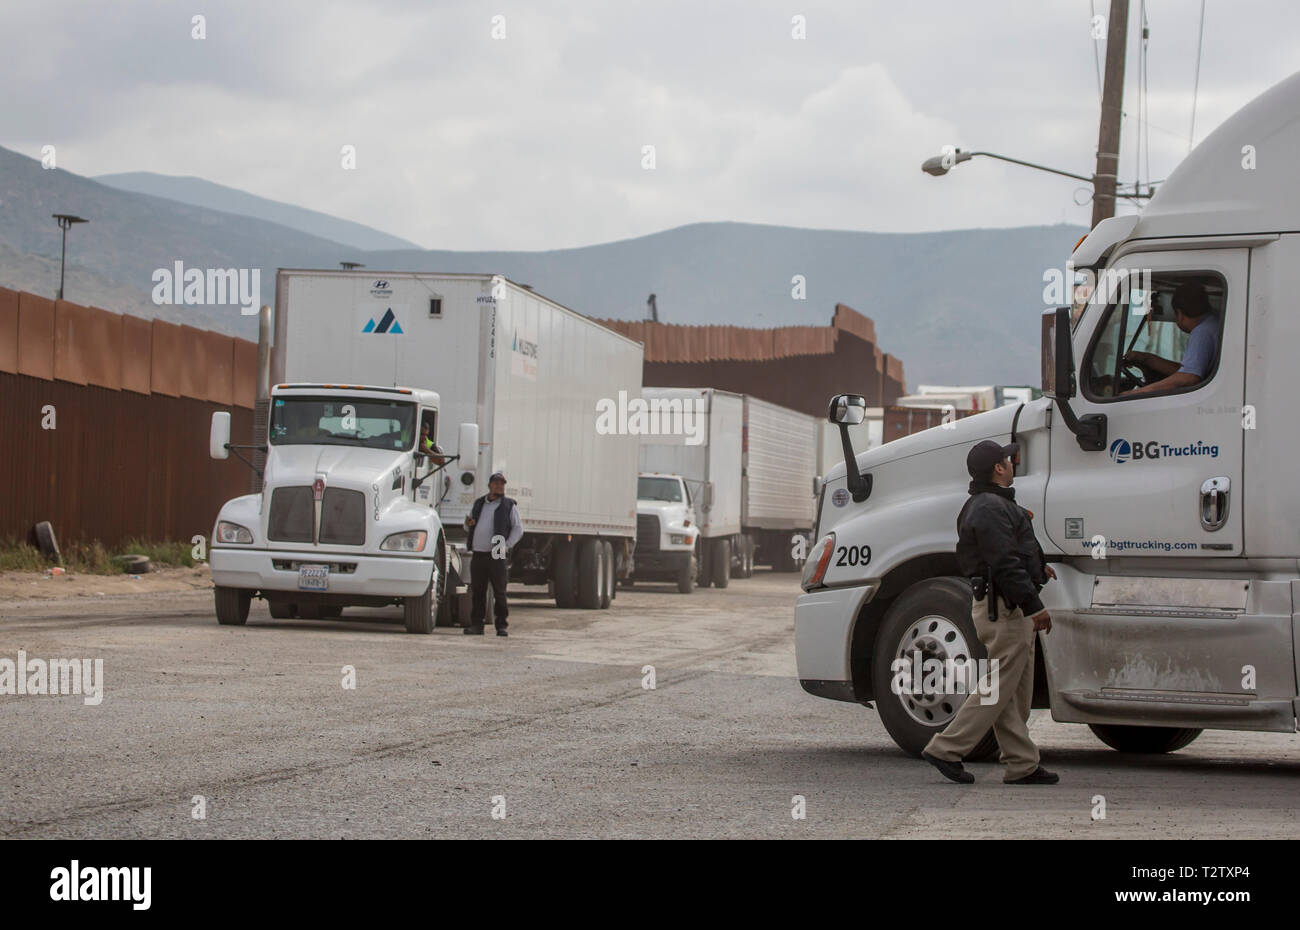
94 558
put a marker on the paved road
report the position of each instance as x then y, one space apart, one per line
555 720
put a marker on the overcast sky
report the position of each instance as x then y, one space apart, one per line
535 140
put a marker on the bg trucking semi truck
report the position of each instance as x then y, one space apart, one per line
352 512
1170 516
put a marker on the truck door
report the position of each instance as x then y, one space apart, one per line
1169 481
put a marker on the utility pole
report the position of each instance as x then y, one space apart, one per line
1112 106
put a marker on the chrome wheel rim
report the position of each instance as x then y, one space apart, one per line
935 637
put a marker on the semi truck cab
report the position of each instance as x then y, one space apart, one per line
1168 509
347 514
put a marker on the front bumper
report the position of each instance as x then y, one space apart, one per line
275 570
823 638
662 560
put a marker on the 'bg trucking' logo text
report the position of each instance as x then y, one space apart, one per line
1122 450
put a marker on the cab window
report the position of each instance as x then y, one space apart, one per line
1161 333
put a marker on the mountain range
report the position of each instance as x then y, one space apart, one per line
958 307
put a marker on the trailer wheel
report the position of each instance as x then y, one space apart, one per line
744 557
934 617
420 611
590 573
607 573
232 605
686 576
280 610
565 564
1144 739
721 562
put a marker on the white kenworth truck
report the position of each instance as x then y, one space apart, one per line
355 511
1171 516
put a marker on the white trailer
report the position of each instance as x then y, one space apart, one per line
706 454
522 375
779 481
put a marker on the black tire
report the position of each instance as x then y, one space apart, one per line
232 605
1146 740
686 576
720 560
419 612
566 574
613 572
610 580
703 564
948 599
590 573
47 542
446 604
280 610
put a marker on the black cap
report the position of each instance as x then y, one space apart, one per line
984 455
496 476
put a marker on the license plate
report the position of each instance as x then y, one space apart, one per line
313 577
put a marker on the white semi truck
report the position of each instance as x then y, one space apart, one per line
779 483
1170 515
353 512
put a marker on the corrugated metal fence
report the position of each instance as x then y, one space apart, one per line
104 422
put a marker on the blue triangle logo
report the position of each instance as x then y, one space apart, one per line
370 327
396 328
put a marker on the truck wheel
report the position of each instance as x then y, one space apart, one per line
232 605
565 564
1144 739
590 572
446 603
744 557
420 611
721 562
686 576
607 563
934 617
704 563
280 610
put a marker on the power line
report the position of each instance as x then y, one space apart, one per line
1196 81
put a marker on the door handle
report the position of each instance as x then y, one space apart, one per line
1214 503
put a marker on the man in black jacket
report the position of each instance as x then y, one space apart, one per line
494 528
997 549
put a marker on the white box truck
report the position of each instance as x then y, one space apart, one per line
688 499
1163 491
348 514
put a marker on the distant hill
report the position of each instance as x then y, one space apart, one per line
957 307
200 193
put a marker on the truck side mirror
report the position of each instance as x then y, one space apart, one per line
1059 381
1058 354
467 452
849 410
706 495
219 435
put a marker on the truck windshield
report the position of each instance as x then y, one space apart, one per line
659 489
336 421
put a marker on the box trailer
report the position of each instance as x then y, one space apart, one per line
509 380
779 452
692 534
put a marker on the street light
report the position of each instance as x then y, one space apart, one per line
940 165
65 220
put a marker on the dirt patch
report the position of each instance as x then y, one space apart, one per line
17 586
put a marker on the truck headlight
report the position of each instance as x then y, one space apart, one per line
233 533
406 542
814 570
680 539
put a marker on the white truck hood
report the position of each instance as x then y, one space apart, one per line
360 468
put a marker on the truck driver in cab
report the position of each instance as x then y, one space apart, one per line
1193 316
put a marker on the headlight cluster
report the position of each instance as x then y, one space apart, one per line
406 542
814 570
233 533
681 539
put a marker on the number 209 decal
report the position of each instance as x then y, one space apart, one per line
854 555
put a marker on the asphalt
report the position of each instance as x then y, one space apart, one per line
551 729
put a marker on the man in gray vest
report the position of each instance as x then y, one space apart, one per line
494 527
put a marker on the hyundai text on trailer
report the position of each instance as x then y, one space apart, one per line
352 512
1170 516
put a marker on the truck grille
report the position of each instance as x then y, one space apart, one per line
291 515
343 517
647 532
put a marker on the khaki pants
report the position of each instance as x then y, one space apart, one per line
1010 639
